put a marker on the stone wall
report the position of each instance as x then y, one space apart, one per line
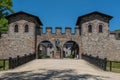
14 47
113 48
95 43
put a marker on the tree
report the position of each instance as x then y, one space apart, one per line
5 9
118 30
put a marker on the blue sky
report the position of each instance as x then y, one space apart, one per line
64 13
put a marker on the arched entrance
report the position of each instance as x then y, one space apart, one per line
45 49
70 50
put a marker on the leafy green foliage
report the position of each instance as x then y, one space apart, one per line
5 9
3 24
117 30
70 56
43 56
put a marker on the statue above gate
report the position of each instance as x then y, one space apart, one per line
57 44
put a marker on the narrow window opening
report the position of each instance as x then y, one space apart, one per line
100 28
16 28
90 28
26 28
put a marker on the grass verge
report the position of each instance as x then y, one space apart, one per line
115 66
2 66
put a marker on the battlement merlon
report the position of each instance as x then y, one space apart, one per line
77 30
68 30
58 30
49 30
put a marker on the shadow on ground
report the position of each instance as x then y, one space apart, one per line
43 74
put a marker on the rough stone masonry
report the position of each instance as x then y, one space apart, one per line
91 34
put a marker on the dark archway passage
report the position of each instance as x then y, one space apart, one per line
45 49
70 50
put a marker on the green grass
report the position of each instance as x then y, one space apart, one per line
43 56
6 64
70 56
115 66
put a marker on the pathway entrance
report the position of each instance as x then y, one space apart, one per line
45 50
70 49
58 69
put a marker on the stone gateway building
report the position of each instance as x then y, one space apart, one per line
92 36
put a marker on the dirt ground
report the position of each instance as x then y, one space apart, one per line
58 69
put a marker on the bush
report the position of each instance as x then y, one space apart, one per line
70 56
43 56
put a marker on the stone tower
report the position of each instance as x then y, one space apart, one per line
94 31
21 37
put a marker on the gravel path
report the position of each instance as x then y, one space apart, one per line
58 69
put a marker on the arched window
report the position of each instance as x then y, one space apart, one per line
90 28
100 28
16 28
26 28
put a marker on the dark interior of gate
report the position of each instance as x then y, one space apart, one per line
70 50
45 50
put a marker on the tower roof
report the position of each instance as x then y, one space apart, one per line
21 12
92 16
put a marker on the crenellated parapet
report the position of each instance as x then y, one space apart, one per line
58 30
